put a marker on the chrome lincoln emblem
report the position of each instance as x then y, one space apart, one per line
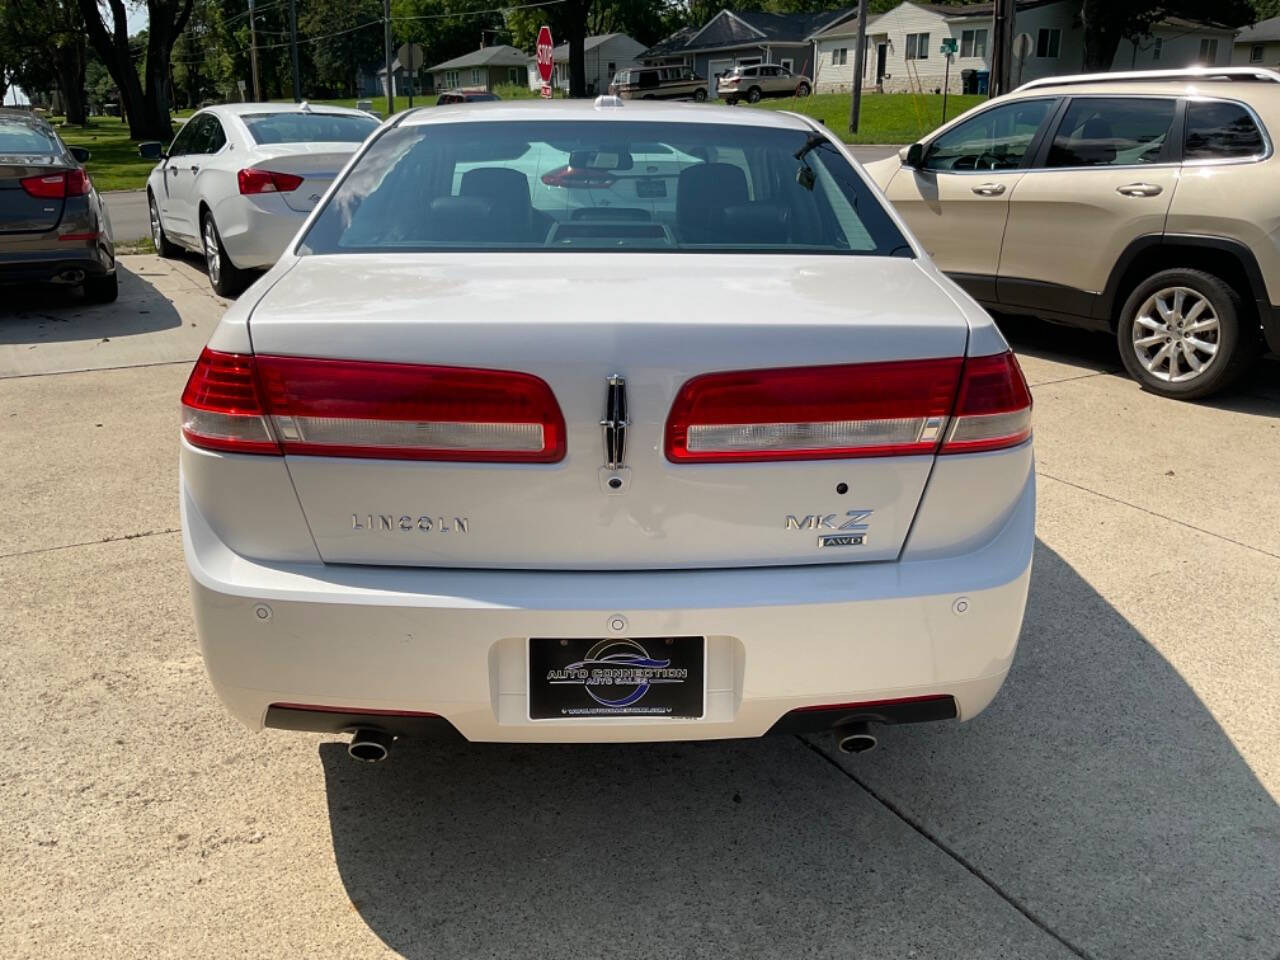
615 423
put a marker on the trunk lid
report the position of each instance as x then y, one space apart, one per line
574 320
317 163
20 212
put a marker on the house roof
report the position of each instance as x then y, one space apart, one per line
731 28
562 52
497 56
1264 31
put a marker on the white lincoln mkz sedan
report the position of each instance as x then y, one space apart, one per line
239 179
572 422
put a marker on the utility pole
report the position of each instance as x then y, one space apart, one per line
293 49
253 54
859 65
1001 48
386 43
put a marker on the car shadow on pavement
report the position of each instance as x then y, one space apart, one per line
48 314
1097 792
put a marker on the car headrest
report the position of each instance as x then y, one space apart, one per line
457 219
757 222
703 192
502 185
1097 143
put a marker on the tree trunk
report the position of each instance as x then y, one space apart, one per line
1101 36
69 68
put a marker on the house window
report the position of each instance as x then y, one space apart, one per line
613 68
451 78
1255 53
840 57
1157 48
1048 43
513 76
475 75
1209 50
973 43
787 65
917 46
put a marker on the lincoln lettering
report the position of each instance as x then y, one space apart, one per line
392 522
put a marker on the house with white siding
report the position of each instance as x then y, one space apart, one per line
904 46
1258 46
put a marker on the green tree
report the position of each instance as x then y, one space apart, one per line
146 98
349 36
46 44
1108 22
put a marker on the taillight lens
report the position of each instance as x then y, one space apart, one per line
55 186
993 408
221 406
813 413
252 180
583 178
356 408
898 408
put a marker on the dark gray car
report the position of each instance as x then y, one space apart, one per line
54 226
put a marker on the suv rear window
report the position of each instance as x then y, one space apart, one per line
18 137
615 186
308 127
1217 130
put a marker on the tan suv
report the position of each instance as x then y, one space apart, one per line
1140 203
758 80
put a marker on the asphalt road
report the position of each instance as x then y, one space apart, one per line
1118 800
128 208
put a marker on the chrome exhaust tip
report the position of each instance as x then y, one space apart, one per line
369 746
70 277
855 738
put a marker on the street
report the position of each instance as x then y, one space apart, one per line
1118 800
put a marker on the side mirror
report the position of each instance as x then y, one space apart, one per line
914 156
81 154
151 150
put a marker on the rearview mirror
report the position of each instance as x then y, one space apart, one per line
81 154
914 156
151 150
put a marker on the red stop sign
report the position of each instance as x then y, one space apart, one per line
544 49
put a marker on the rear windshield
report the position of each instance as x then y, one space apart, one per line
305 127
601 185
17 137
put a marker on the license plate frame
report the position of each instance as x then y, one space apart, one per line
578 678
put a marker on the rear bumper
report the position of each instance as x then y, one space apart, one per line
256 229
53 265
452 643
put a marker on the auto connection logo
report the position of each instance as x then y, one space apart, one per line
617 674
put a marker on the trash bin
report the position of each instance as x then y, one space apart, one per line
984 79
969 81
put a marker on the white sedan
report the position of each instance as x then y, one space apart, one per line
481 460
239 179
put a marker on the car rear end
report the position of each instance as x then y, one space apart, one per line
732 86
53 228
521 495
293 158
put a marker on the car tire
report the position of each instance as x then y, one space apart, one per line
754 95
164 246
700 95
102 289
227 279
803 90
1185 334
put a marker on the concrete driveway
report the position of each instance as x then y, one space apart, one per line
1117 801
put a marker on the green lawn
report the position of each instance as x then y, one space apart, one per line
115 164
886 117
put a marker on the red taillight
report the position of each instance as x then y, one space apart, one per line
813 413
993 408
588 178
221 406
253 180
55 186
897 408
356 408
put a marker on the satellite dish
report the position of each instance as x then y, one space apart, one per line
1022 46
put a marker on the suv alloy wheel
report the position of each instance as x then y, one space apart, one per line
1180 334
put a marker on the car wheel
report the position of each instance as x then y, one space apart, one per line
164 246
700 95
753 95
1181 334
802 90
102 289
227 279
